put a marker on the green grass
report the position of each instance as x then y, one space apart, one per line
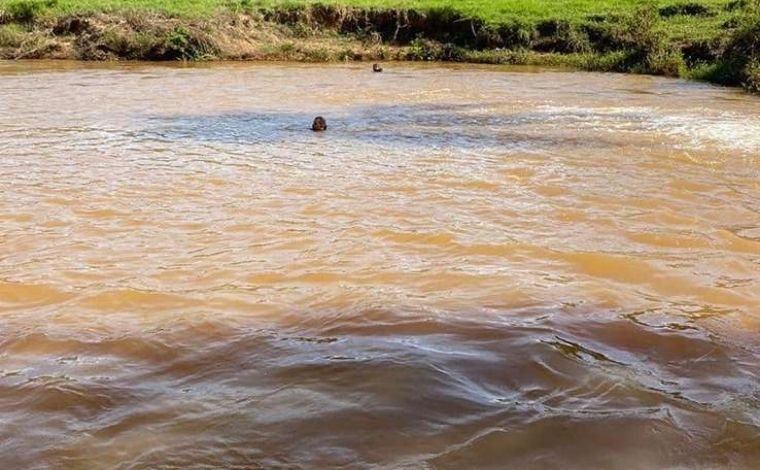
490 11
494 11
499 11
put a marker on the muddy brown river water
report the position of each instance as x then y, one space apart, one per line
472 268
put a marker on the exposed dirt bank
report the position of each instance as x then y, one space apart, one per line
634 43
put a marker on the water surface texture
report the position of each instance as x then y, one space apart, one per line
472 268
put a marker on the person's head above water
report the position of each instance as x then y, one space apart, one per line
319 124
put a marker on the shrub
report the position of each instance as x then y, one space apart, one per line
488 37
183 44
11 36
517 34
318 54
608 62
738 62
669 63
126 44
646 46
561 36
27 11
424 49
686 9
752 77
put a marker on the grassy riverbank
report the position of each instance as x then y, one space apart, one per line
714 40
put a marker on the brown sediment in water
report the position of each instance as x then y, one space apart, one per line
388 389
545 284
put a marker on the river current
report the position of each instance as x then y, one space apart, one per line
473 267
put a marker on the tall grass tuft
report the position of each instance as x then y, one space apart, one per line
27 11
738 64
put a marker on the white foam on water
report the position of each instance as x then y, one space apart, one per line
694 129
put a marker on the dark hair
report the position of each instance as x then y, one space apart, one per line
319 124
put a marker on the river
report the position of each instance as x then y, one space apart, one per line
473 267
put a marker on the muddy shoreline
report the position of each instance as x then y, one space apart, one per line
319 33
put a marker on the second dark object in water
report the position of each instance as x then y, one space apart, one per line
376 68
319 124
